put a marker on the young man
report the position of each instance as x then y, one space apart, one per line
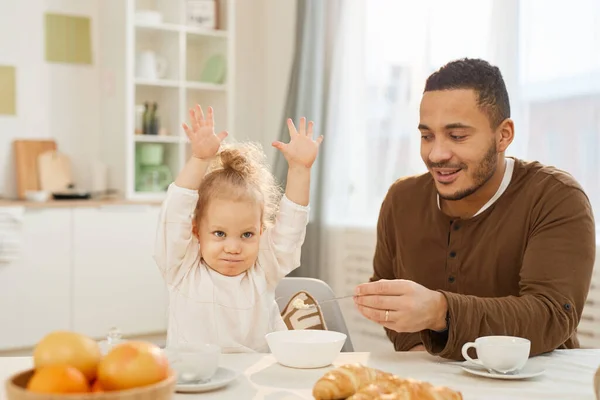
483 244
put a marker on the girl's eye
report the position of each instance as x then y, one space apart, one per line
219 234
247 235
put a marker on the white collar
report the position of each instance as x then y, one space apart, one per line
508 172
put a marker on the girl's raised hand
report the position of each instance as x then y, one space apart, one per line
302 149
205 144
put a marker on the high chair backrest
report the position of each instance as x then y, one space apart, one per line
321 291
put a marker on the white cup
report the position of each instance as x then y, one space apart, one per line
151 66
194 362
501 354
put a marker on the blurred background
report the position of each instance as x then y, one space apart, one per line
93 92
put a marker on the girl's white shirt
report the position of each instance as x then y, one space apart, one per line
206 307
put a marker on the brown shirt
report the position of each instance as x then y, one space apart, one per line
522 267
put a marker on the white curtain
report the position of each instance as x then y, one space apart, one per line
549 54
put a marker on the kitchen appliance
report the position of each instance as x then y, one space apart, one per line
54 170
151 174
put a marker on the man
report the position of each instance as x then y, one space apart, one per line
483 244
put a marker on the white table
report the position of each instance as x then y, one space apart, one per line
569 376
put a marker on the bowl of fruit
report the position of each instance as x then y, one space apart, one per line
68 365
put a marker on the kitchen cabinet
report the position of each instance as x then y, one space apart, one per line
35 289
115 279
83 268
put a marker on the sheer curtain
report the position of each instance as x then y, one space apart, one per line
546 49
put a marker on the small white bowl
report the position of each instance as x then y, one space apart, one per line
305 348
39 196
149 17
194 362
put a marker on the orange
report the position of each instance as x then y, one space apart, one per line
132 364
64 347
96 387
58 379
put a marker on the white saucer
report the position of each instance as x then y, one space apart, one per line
221 378
529 371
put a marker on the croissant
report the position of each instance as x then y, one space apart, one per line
405 389
358 382
383 386
344 381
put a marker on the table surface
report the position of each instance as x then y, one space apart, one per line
568 375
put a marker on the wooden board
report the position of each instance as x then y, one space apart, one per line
26 154
54 170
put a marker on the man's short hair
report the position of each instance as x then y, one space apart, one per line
479 75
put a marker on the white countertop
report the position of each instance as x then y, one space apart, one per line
569 376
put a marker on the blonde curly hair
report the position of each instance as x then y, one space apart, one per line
240 171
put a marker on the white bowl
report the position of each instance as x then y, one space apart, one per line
149 17
305 348
38 196
194 362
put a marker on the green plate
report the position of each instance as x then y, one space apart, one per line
214 70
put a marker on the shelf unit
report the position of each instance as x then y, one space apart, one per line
186 50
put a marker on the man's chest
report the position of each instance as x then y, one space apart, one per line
481 258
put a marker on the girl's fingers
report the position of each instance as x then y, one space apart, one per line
222 135
291 128
193 119
302 130
199 115
278 145
309 133
319 140
188 131
210 118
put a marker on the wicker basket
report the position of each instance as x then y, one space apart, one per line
163 390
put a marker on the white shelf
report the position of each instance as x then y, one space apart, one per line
159 27
205 32
186 50
158 139
157 82
205 86
183 28
175 84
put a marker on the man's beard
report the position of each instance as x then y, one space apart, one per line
484 172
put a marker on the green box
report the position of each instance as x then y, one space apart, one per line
68 39
8 90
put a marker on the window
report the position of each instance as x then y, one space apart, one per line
559 77
547 51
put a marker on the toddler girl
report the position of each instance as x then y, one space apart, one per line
227 237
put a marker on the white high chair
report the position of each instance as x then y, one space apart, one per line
321 291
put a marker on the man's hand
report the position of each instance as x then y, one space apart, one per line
402 305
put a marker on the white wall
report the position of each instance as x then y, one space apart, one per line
53 100
265 35
62 101
280 38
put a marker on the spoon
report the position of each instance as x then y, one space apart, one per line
305 306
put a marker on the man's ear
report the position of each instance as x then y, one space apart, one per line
195 229
505 134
